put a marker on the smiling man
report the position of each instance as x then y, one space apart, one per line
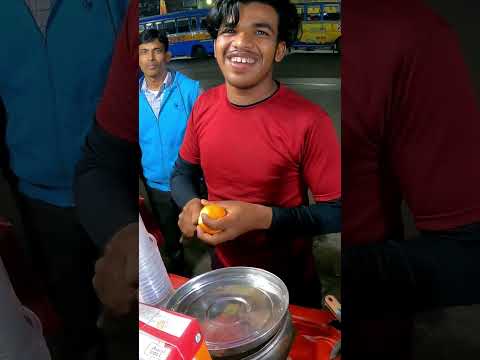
261 146
165 101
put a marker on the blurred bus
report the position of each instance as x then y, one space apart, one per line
186 30
321 25
188 35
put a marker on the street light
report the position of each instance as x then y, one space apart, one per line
209 2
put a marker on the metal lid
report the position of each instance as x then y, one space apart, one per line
239 308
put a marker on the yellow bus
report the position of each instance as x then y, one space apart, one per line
321 25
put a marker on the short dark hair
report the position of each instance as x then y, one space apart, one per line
150 35
288 19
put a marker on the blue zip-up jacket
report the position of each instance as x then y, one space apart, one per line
50 86
160 139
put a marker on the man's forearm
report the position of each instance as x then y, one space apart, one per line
185 182
106 186
316 219
434 269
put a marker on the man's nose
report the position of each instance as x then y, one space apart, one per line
243 40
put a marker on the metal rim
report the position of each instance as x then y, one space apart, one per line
276 287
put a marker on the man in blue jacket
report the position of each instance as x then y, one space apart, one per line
54 60
165 101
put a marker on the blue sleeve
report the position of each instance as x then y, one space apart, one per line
197 94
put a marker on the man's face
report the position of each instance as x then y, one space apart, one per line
246 53
153 59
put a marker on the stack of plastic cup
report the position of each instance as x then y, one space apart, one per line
155 287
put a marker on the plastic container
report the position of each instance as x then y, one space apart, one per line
155 287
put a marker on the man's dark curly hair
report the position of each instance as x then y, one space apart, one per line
150 35
229 10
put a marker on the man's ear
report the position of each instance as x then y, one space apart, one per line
168 56
281 51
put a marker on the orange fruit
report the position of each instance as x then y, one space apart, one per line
213 212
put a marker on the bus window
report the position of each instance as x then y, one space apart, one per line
169 27
300 12
203 23
193 24
182 26
186 31
331 13
141 27
313 13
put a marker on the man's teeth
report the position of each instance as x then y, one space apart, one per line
243 60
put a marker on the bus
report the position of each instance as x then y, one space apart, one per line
186 30
321 25
188 36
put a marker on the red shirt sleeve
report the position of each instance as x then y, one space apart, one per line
321 160
435 134
117 112
190 150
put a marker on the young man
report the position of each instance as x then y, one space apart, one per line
165 101
409 133
260 146
49 98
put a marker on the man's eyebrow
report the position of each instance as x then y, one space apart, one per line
228 25
264 25
157 48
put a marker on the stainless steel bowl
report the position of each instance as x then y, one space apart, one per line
279 346
240 309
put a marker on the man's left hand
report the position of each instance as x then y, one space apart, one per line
241 218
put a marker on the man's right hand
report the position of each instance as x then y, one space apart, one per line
116 273
188 218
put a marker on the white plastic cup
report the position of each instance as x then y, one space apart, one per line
155 287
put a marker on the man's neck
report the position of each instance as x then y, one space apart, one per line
155 83
244 97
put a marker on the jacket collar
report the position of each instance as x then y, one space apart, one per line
167 83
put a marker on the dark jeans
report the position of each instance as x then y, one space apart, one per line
64 256
166 214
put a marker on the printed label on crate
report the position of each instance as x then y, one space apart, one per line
152 348
164 321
